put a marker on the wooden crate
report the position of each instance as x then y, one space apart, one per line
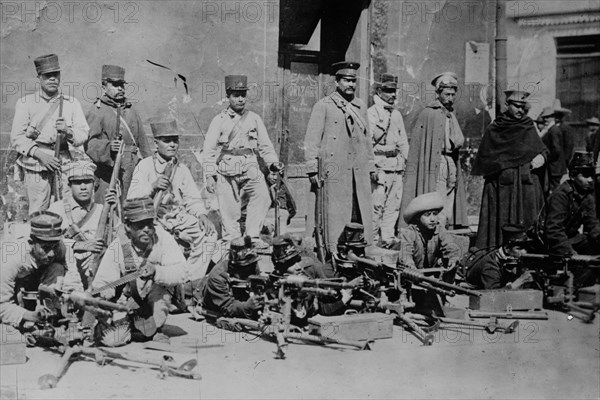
369 326
502 300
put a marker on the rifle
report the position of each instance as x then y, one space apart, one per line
56 187
320 219
555 277
158 197
106 222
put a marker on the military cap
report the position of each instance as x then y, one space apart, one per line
593 121
558 109
388 81
547 112
345 68
581 161
236 82
46 226
284 249
138 209
516 96
241 252
80 169
353 235
113 73
46 64
515 234
164 128
445 80
420 204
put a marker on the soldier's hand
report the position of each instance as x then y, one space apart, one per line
111 197
32 133
115 145
314 179
357 282
211 184
255 302
41 313
94 246
537 161
61 125
206 225
47 160
162 183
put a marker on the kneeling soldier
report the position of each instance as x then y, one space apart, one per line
219 294
142 245
29 263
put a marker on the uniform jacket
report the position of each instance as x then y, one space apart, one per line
19 265
489 272
102 118
559 142
183 188
29 111
427 142
78 213
416 251
245 132
219 297
567 211
165 255
346 150
382 120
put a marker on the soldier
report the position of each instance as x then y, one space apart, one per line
338 136
498 268
105 141
572 206
28 263
81 215
390 146
235 141
559 142
423 244
142 245
433 161
178 200
510 158
39 117
219 297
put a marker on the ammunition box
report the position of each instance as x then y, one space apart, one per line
502 300
353 326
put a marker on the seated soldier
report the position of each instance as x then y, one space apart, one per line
142 245
29 262
220 297
423 244
81 215
179 204
571 207
497 268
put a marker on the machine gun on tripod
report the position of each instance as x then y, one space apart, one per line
62 333
276 318
558 276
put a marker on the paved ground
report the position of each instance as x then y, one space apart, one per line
558 359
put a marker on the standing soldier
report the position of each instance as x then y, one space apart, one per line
105 141
338 137
433 161
390 146
179 204
510 158
235 141
39 117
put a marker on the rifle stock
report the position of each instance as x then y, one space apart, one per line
320 223
56 187
158 198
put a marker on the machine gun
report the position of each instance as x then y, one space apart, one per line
276 318
558 276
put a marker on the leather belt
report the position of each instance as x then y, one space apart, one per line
237 152
389 153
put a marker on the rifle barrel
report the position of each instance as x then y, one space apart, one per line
417 277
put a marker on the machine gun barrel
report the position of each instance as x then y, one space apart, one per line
589 261
82 300
302 281
415 276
